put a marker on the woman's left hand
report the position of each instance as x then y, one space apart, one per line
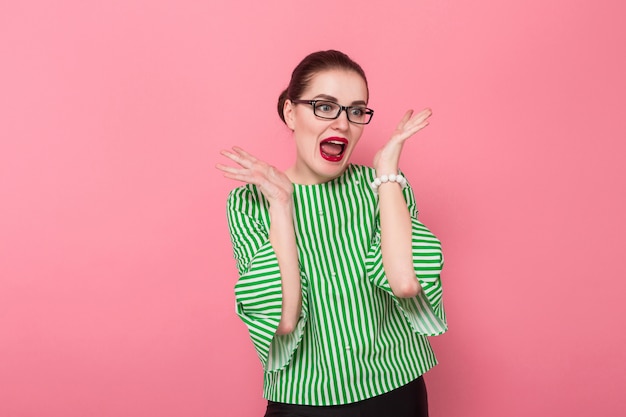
387 158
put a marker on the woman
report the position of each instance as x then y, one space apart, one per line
338 280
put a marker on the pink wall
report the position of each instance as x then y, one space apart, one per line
116 272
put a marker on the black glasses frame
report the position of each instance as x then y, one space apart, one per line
368 111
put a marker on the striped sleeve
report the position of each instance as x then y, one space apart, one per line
424 313
258 291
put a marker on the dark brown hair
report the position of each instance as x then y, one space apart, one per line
310 66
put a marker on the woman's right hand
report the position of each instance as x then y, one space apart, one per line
274 184
278 189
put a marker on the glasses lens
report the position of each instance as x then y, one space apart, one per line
358 114
327 109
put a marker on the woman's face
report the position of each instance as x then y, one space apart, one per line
323 146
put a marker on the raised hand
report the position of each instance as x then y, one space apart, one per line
274 184
387 158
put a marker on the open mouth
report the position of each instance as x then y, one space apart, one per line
332 149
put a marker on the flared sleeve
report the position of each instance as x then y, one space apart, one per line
258 291
424 312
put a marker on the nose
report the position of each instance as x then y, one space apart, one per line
342 122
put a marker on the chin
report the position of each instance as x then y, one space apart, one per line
334 170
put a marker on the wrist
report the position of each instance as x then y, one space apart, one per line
386 170
388 179
281 208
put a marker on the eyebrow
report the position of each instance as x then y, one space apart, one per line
331 98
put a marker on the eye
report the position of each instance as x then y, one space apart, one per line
326 107
357 111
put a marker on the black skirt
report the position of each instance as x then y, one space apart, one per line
409 400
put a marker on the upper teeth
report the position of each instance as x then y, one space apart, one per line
336 142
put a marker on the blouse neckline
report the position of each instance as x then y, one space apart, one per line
341 179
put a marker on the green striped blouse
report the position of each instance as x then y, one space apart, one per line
354 339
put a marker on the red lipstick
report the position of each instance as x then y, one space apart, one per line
332 149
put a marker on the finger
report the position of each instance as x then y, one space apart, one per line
249 176
236 173
405 118
244 154
425 114
233 174
420 117
427 111
408 132
238 158
240 175
233 157
421 125
414 129
417 120
230 155
226 168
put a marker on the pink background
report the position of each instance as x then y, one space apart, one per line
116 272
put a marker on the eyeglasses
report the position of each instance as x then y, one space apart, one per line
330 110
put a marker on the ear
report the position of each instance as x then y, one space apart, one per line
289 112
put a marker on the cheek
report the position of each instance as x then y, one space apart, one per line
356 133
309 128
